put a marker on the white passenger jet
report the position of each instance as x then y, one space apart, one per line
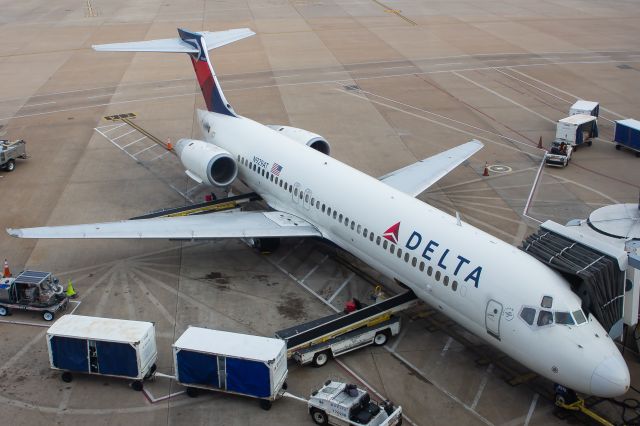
501 294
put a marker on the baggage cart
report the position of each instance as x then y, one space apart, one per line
234 363
103 346
627 134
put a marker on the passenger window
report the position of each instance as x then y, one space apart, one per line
276 180
445 280
545 318
579 316
318 205
414 261
393 248
306 198
346 221
301 195
328 211
335 214
339 218
377 239
365 232
563 318
323 207
438 275
399 253
290 189
406 258
270 177
358 229
353 225
280 183
421 267
295 192
313 201
528 315
262 172
547 302
429 270
454 285
385 243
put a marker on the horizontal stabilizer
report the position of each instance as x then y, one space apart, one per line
417 177
233 224
212 39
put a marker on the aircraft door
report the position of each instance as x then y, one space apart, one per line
492 318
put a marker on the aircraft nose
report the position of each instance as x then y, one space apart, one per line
610 378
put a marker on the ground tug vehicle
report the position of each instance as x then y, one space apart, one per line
338 403
32 291
9 151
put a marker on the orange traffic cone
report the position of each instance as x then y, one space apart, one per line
7 271
169 145
540 143
486 170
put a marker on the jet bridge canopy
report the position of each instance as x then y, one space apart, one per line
595 276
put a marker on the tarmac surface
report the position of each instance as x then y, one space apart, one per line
387 83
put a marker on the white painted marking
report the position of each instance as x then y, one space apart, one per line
371 388
532 407
504 97
147 148
136 141
342 286
602 194
565 92
525 212
446 347
123 135
483 384
440 387
100 96
171 87
154 400
315 268
403 66
111 127
159 156
294 248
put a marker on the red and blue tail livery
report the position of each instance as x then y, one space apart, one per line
197 46
213 96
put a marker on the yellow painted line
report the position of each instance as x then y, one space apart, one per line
215 207
394 11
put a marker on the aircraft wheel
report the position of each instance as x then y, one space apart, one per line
381 338
319 417
320 359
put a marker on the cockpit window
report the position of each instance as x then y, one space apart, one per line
547 302
579 316
563 318
545 318
528 315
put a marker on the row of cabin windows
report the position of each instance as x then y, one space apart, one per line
386 244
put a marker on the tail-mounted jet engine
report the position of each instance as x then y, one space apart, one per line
304 137
206 163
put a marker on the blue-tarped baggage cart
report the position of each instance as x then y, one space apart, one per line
103 346
241 364
627 134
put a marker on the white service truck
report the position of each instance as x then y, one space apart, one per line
338 403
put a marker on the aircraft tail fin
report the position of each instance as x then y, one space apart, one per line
197 46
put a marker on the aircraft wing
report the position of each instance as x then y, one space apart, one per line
234 224
417 177
212 39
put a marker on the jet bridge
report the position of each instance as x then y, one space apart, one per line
600 257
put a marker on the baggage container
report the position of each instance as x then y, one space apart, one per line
236 363
577 129
585 107
103 346
627 134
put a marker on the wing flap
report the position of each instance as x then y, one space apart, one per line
232 224
417 177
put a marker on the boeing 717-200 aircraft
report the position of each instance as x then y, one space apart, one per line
501 294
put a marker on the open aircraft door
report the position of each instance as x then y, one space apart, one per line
492 318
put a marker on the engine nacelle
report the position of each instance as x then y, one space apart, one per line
206 162
304 137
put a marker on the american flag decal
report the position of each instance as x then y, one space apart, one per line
276 169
